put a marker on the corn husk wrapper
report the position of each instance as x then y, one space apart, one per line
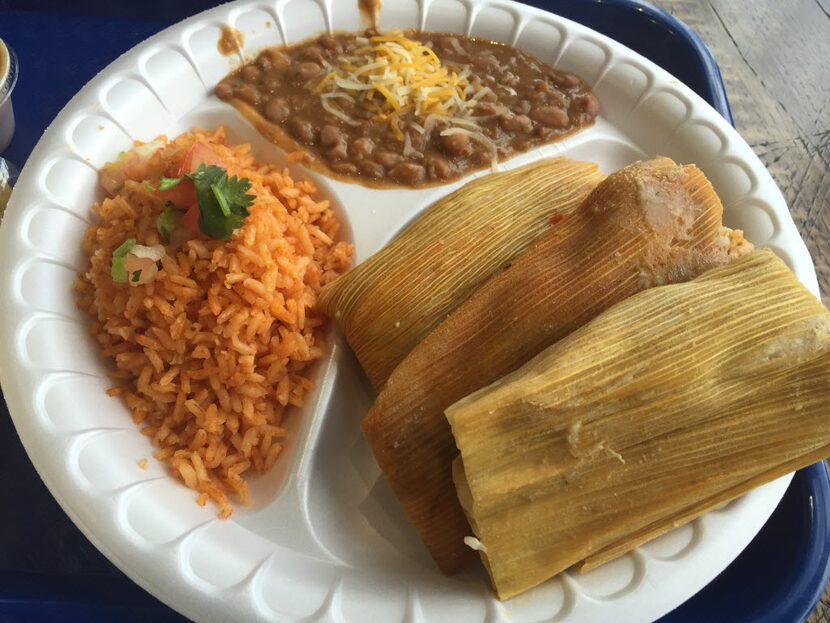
651 223
390 302
668 404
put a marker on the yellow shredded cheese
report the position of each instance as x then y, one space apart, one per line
392 75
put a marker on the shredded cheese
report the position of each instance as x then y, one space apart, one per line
391 75
325 101
482 92
477 136
408 150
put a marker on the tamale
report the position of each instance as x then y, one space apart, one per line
389 303
651 223
704 389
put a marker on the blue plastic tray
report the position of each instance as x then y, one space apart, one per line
50 572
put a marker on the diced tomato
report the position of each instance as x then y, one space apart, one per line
191 218
130 165
182 195
198 154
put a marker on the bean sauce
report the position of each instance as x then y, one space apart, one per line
519 103
230 41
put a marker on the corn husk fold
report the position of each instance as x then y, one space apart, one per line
670 403
390 302
651 223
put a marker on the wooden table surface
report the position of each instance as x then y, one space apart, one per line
775 59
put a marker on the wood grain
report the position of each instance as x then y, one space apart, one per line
774 59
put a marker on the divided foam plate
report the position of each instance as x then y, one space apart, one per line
324 538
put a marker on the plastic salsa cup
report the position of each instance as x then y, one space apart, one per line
8 78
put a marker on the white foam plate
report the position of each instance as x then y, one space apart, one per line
324 539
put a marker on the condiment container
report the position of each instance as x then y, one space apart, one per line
8 78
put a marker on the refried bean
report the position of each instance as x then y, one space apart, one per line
512 102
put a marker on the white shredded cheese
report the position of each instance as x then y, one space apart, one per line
464 123
333 96
477 136
326 103
457 46
369 67
352 85
408 150
482 92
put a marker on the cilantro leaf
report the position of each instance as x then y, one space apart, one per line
118 272
223 201
168 220
166 183
235 192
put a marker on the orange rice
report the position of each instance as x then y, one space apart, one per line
212 353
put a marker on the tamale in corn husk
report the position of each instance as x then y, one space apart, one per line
668 404
653 222
389 303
